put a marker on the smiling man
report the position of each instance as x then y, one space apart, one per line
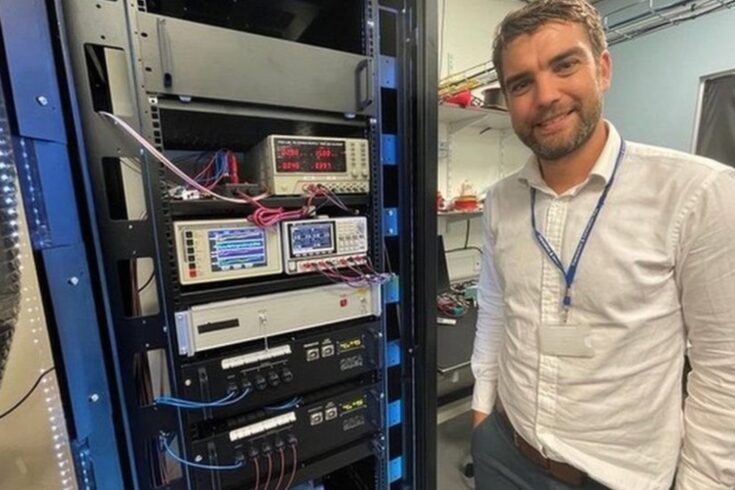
602 259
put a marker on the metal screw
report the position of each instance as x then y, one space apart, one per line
42 100
73 280
94 398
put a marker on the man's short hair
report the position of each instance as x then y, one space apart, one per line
539 12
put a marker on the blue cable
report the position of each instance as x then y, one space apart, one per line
181 403
196 465
290 404
220 168
230 399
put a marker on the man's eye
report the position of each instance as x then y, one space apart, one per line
566 66
519 87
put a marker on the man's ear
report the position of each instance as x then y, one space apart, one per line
604 70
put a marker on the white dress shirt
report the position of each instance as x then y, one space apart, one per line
658 271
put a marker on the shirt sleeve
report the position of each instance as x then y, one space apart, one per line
490 320
706 276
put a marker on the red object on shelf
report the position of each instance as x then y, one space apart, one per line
462 99
466 203
440 202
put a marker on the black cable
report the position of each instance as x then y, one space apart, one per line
25 397
463 249
148 282
467 235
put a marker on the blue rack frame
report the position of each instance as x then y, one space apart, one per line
50 197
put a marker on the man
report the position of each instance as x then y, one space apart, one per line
602 258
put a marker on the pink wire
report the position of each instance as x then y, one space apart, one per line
270 471
283 469
257 473
293 470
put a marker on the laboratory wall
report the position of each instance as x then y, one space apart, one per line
656 79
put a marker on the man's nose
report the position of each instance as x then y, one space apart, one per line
547 90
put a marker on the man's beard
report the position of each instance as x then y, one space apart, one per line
552 150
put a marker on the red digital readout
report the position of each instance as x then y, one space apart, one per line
295 156
290 165
289 151
323 152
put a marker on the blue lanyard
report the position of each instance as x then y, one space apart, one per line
546 246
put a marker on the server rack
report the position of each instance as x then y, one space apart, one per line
192 76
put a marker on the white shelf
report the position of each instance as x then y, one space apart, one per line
458 215
461 117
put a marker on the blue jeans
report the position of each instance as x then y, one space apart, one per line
499 465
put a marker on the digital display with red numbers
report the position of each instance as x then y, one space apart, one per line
310 156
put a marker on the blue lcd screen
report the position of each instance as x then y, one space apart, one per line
309 238
237 248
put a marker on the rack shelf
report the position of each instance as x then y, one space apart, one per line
209 207
458 117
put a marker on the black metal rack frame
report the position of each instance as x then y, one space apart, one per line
390 92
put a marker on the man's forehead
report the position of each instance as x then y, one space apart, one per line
544 43
549 35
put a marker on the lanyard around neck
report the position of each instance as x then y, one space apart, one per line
570 273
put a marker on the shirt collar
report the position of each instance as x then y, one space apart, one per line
530 173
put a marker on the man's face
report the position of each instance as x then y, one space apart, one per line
554 87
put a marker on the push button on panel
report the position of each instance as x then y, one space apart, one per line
260 382
273 379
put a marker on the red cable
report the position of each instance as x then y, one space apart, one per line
206 167
361 278
293 470
232 164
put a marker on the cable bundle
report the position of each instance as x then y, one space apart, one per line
171 166
282 454
222 165
291 404
266 217
451 305
356 277
231 399
166 439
